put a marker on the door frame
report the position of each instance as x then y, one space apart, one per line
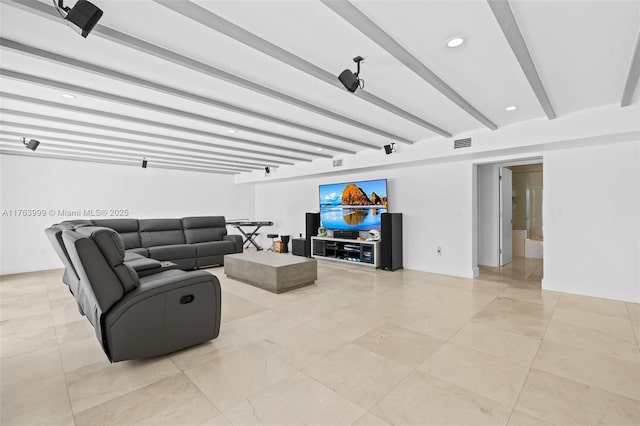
496 163
505 245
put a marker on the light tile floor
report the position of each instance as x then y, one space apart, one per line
361 347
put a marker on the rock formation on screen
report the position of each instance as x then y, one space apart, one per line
375 199
352 195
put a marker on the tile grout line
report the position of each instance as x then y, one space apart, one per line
554 306
633 328
181 371
533 359
64 373
374 353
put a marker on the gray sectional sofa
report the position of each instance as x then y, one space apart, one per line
138 317
125 276
190 242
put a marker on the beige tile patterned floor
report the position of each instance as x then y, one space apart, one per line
361 347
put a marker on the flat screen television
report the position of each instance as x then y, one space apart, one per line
353 206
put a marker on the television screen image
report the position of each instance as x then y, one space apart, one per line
353 206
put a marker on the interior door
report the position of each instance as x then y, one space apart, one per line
505 216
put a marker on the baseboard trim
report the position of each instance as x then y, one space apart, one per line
624 295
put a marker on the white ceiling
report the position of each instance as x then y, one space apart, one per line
582 51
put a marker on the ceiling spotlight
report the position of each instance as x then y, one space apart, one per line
318 149
455 42
511 108
32 144
144 163
388 149
82 17
351 81
68 96
267 170
232 131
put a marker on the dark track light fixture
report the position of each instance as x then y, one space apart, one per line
388 149
32 144
350 80
82 17
267 170
144 163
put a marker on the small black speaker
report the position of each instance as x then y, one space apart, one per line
83 17
312 223
391 241
349 80
32 144
297 246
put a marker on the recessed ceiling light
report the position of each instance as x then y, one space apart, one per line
318 149
232 131
511 108
455 42
68 96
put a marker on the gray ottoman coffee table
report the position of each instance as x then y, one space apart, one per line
274 272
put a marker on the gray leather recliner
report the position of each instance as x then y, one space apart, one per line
138 317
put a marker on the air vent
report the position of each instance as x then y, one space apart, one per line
337 163
462 143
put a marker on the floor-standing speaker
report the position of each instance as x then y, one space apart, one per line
391 241
312 223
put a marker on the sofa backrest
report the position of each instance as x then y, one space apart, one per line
70 278
160 232
73 223
204 228
97 255
99 287
127 228
54 234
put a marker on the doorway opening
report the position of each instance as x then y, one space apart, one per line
509 220
527 198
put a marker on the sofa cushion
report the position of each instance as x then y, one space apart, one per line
142 251
143 264
213 248
127 228
160 232
204 228
164 275
173 252
185 264
130 255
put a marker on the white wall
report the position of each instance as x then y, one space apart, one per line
54 185
588 126
591 214
592 221
436 202
488 220
591 210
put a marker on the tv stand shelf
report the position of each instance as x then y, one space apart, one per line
362 252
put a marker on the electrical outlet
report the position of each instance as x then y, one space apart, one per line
439 250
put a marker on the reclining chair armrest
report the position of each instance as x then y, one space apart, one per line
163 315
145 266
160 286
237 241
